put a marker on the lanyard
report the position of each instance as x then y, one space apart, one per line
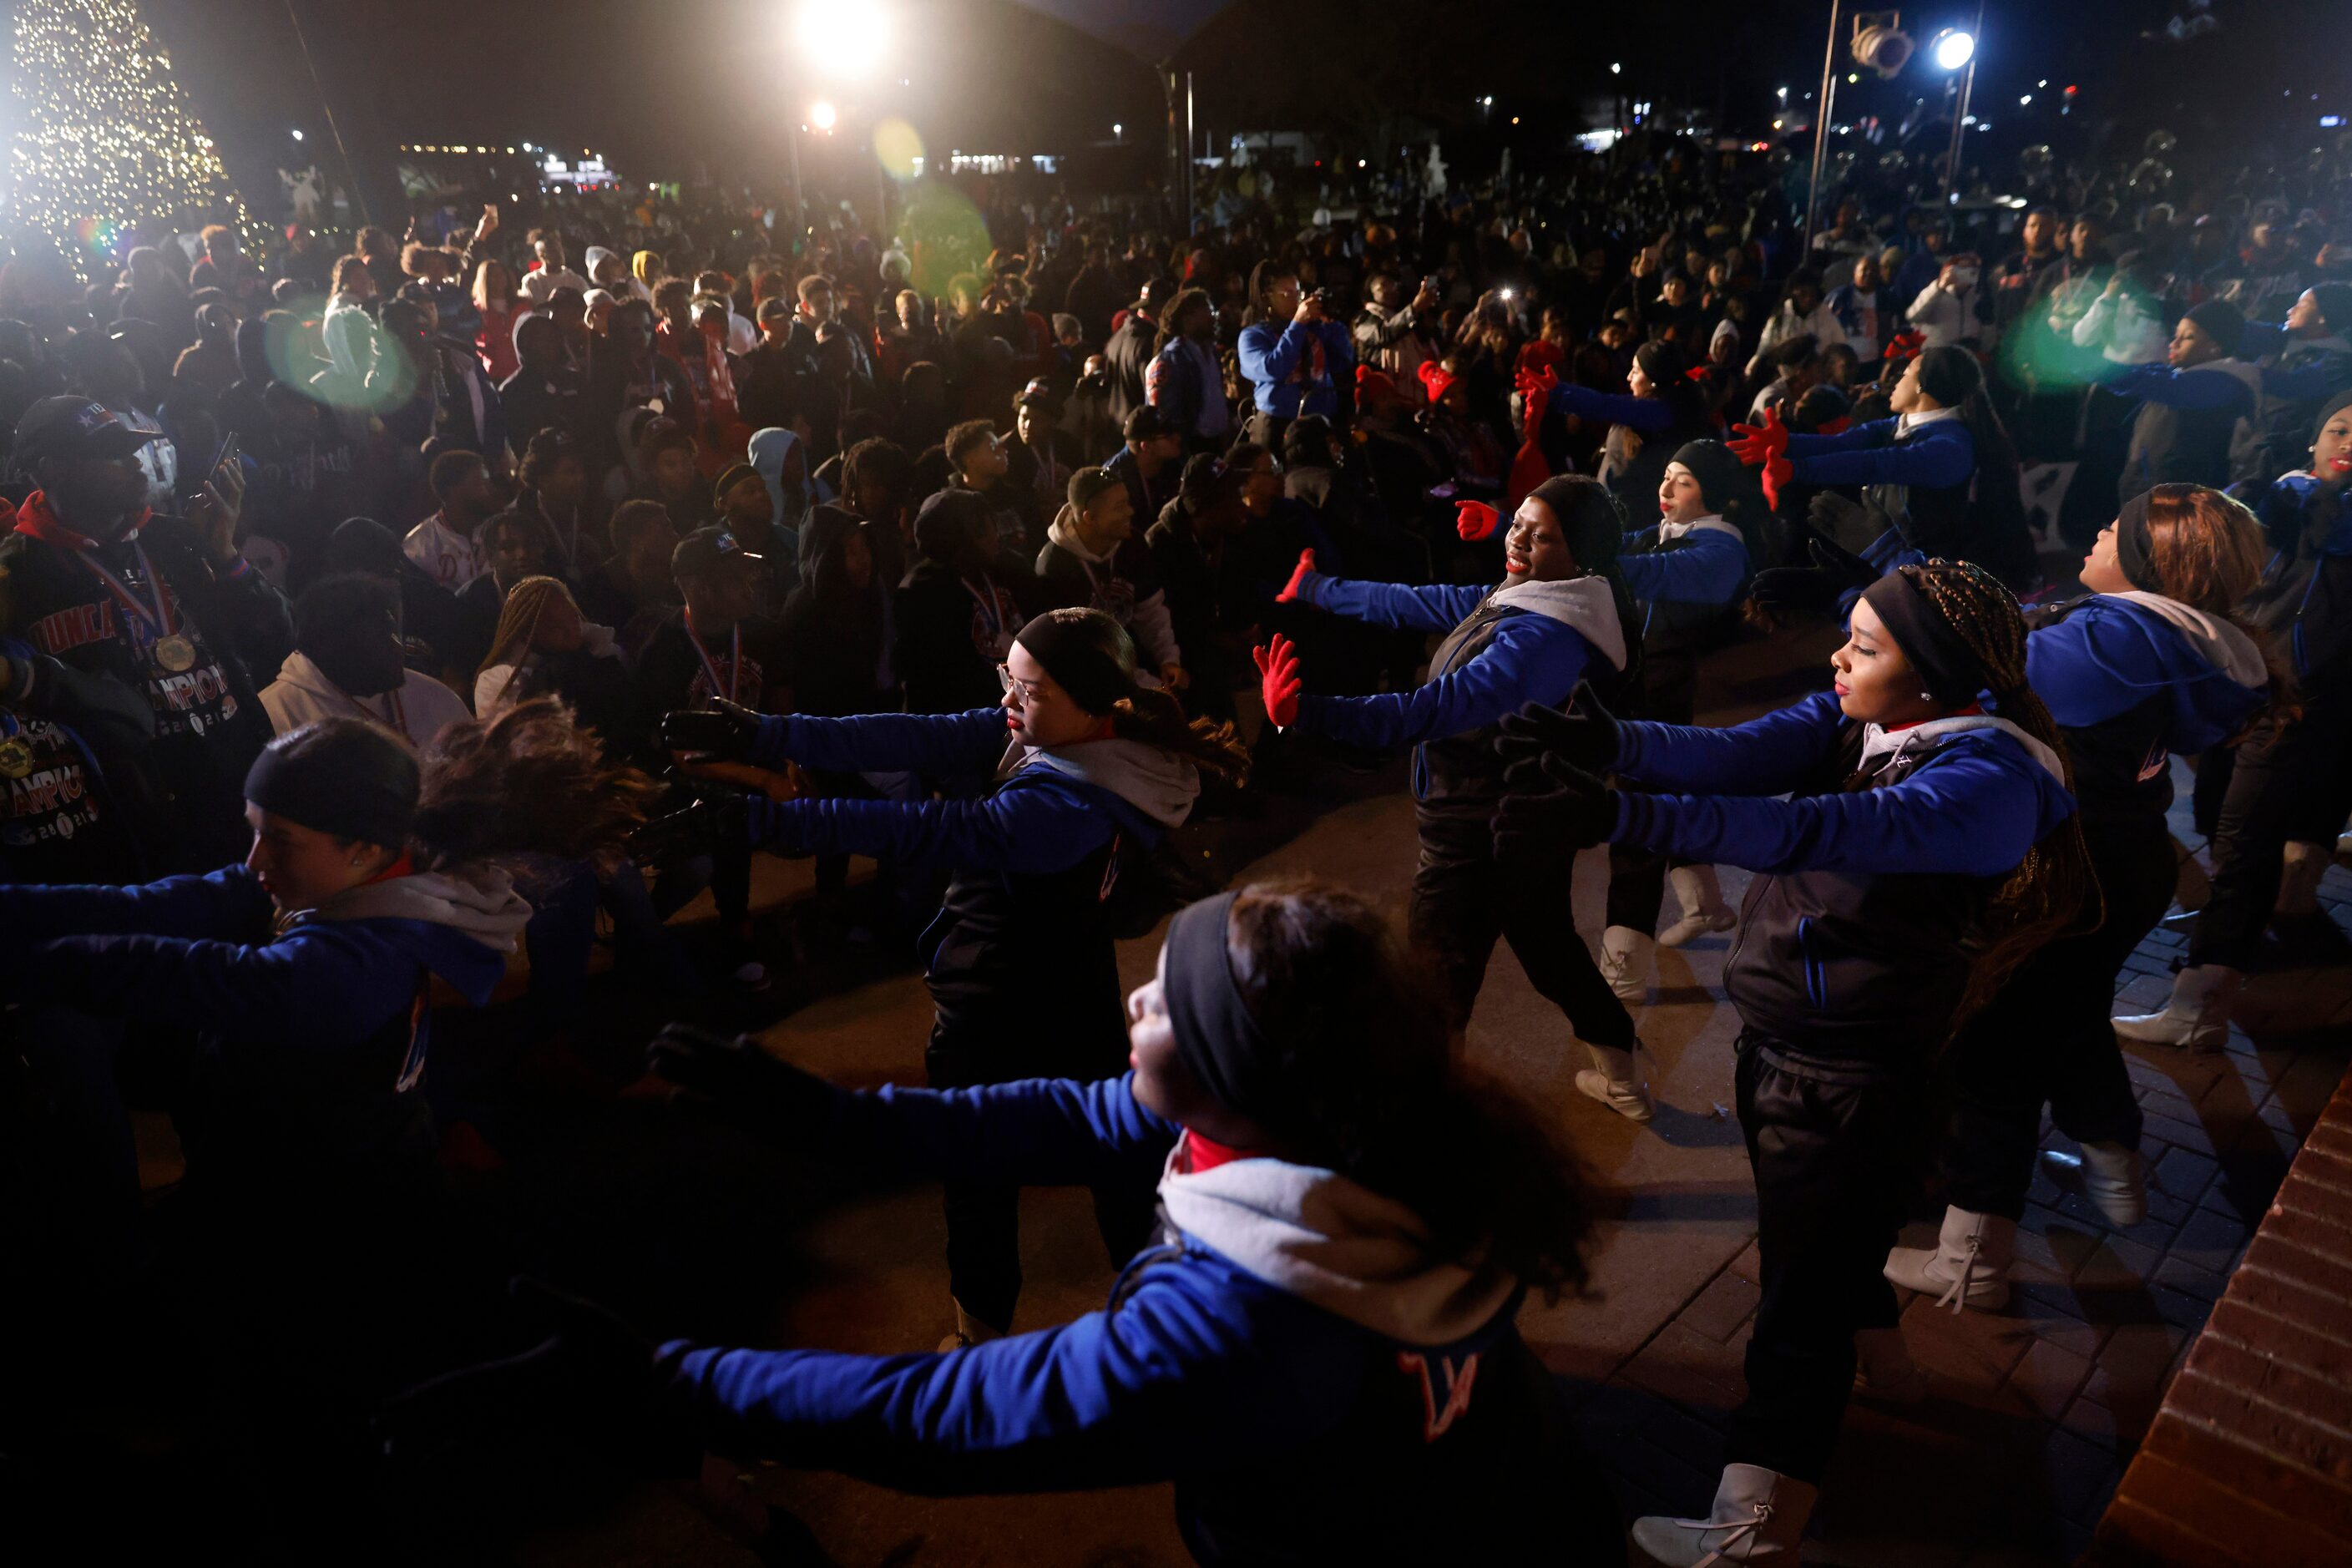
711 670
159 624
988 604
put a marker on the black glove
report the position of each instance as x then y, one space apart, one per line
717 818
738 1079
589 1382
1577 811
1787 592
1583 733
723 731
1837 519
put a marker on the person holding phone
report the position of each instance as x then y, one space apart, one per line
169 607
1292 352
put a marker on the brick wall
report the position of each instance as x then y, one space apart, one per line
2250 1458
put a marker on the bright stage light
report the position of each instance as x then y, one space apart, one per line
1954 49
822 115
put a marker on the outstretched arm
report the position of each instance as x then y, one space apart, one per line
1770 755
1530 660
1030 827
1648 415
1969 815
1439 607
911 743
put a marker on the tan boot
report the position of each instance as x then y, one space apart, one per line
1968 1266
2111 1175
1703 911
2198 1016
1757 1517
1629 962
1614 1079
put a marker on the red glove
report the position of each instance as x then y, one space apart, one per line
1760 444
1906 345
1544 380
1474 519
1289 595
1277 671
1778 471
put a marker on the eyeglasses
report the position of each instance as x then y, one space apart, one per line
1007 681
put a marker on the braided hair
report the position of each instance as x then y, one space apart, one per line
2052 886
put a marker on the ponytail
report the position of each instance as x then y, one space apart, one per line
530 782
1155 718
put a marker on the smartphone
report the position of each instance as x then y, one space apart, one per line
228 454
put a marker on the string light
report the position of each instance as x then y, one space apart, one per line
109 146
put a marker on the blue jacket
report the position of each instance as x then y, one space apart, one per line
1294 1434
312 1037
1705 566
2129 686
1269 357
1856 942
1521 657
1648 415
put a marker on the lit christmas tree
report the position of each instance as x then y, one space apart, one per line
107 141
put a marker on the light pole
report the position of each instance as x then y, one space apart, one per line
1822 104
1957 51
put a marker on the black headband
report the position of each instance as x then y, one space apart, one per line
1217 1037
1948 669
350 791
2132 545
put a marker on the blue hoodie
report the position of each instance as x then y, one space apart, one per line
1319 1386
2133 677
312 1036
1855 944
1539 642
1937 454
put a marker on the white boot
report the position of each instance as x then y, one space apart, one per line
970 1332
2299 877
1884 1369
2198 1016
1703 910
1968 1265
1757 1517
1614 1079
2190 887
1629 962
2112 1175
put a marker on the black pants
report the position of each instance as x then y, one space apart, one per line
984 1217
1832 1145
2045 1037
2291 782
1464 899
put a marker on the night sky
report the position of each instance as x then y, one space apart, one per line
670 89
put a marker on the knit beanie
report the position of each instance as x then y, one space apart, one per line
2333 406
1722 478
1662 361
1948 374
2221 322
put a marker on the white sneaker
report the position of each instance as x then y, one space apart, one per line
1703 911
2112 1176
2198 1015
1614 1079
1629 962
